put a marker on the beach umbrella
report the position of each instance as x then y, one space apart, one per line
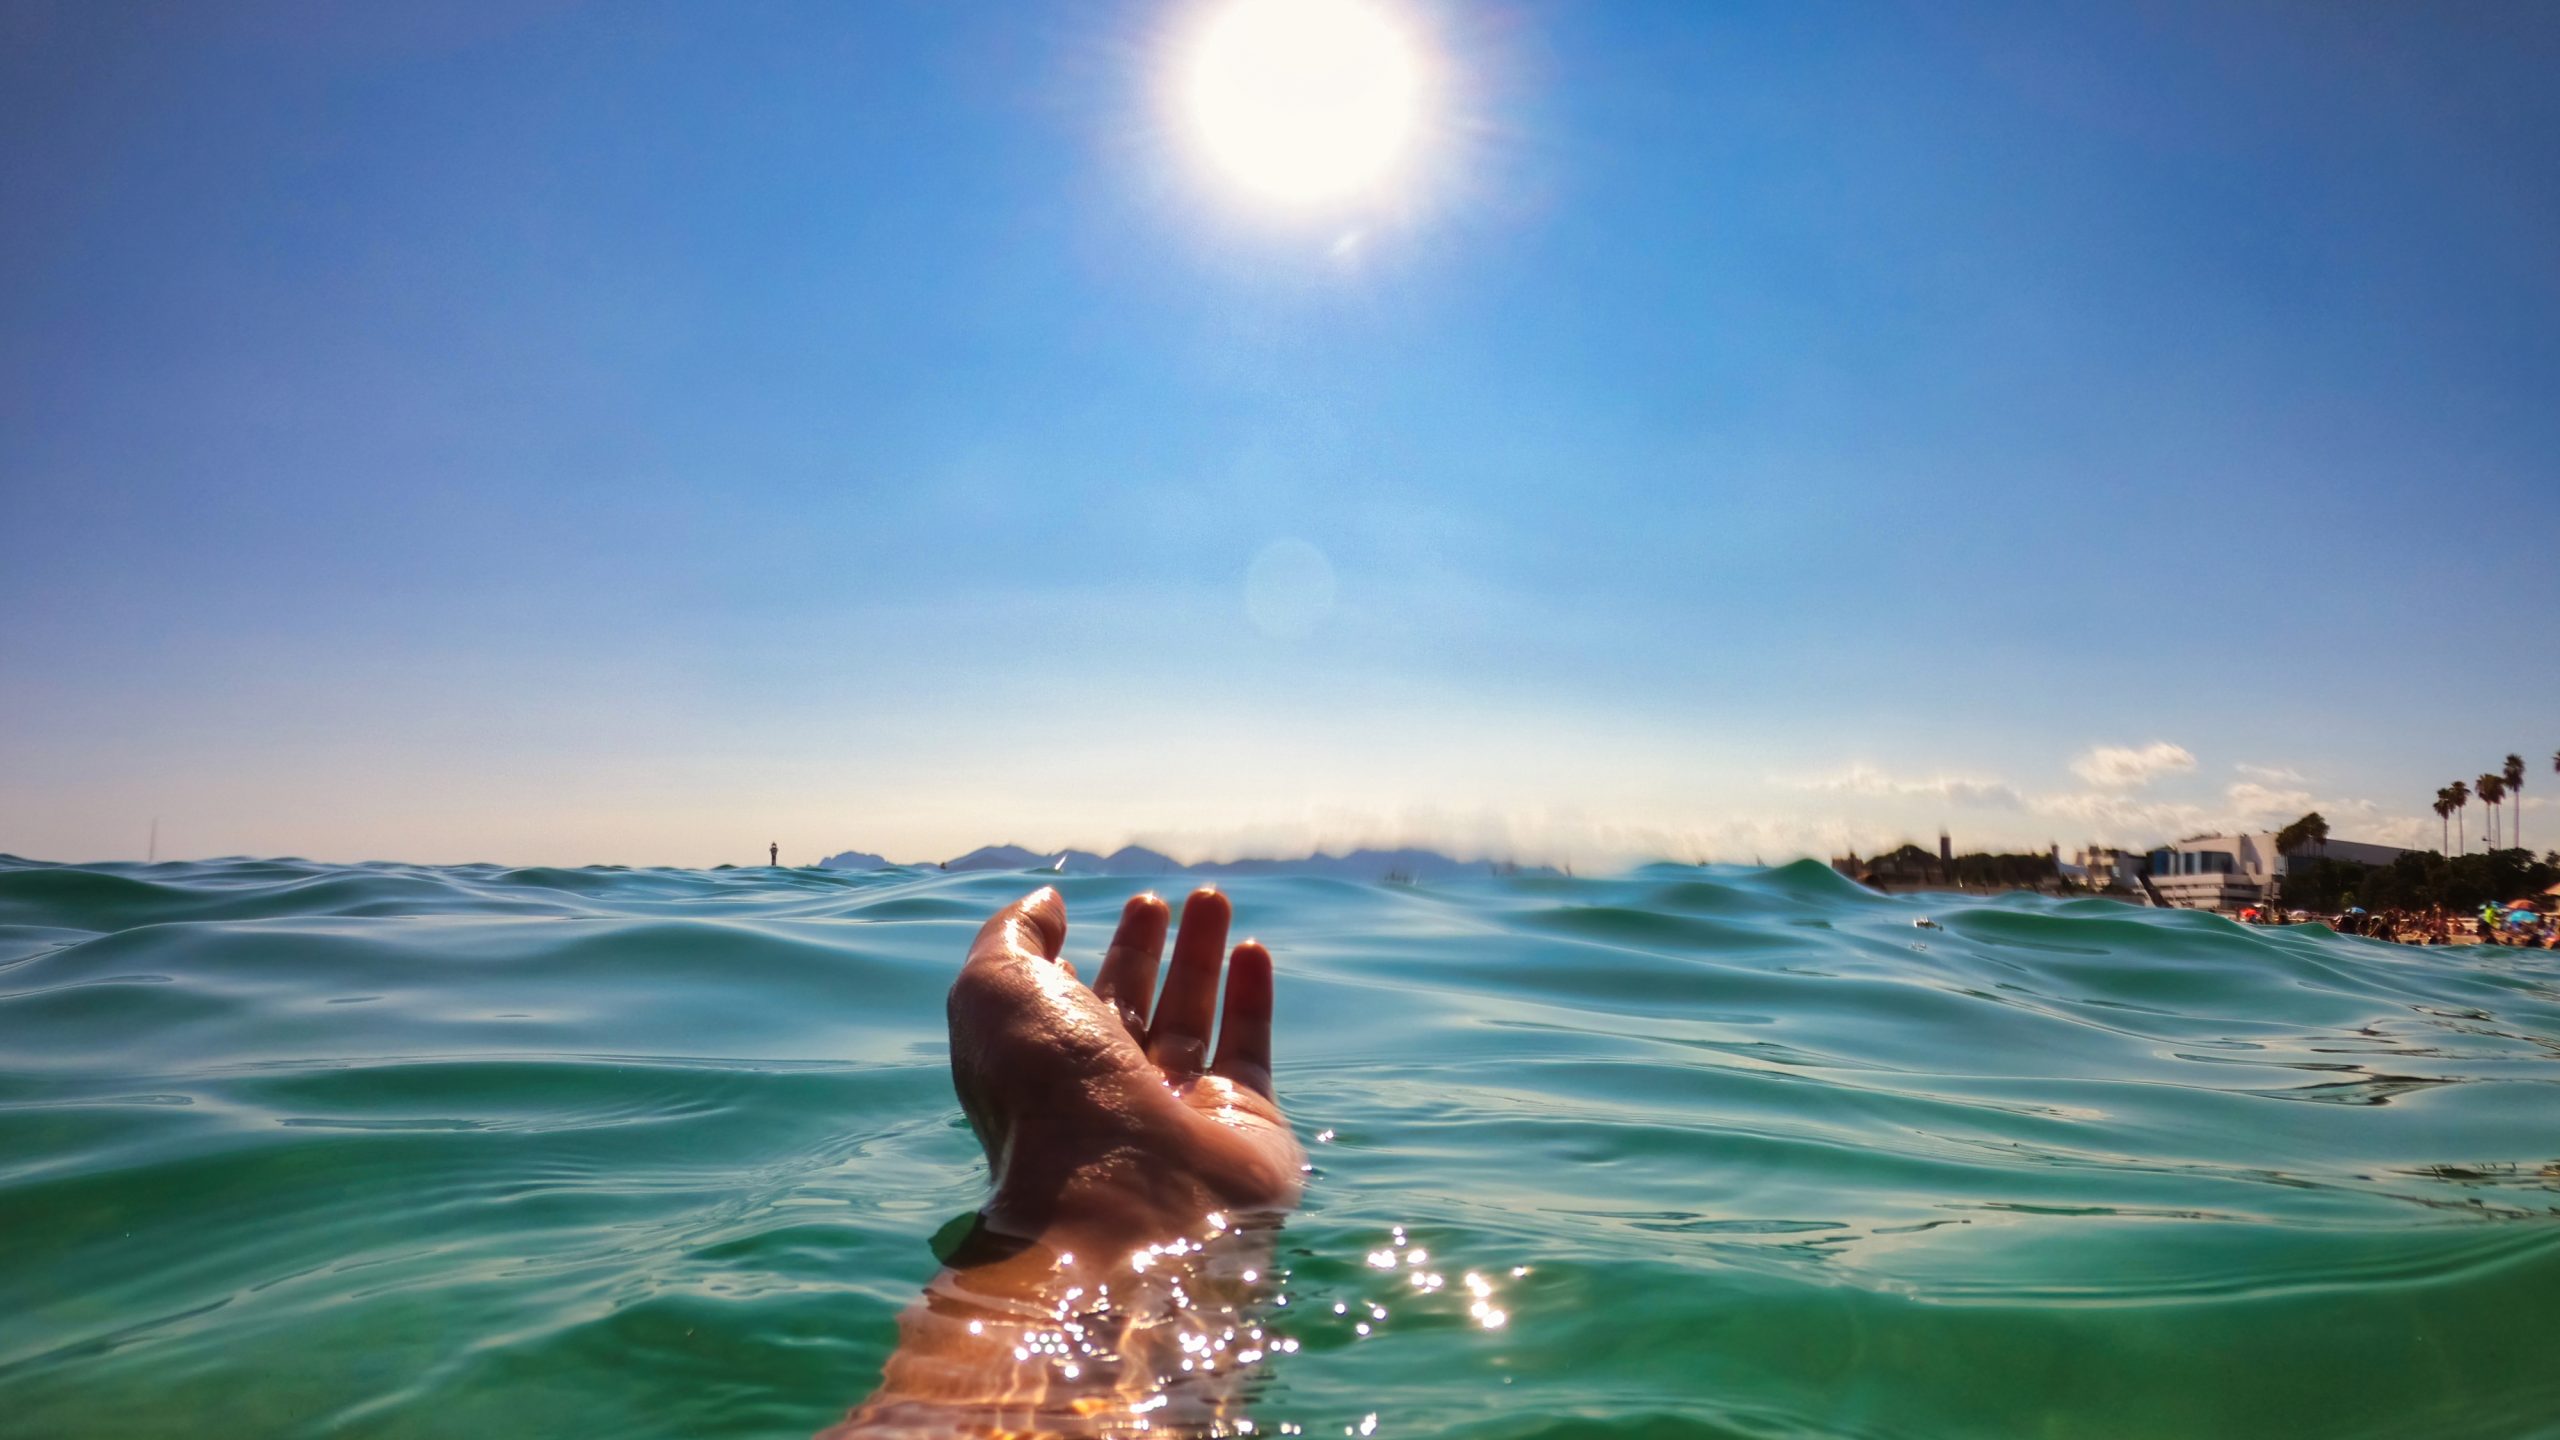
2355 909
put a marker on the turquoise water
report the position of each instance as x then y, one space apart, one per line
291 1149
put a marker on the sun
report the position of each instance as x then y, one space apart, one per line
1304 103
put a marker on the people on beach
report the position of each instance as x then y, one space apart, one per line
773 854
2515 924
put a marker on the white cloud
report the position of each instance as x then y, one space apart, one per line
1865 779
2120 767
1532 836
2122 819
2114 818
2115 808
2251 801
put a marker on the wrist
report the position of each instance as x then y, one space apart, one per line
1119 1200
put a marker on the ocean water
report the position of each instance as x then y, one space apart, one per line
382 1150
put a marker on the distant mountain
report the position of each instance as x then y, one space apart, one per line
1127 860
1000 857
1405 864
1364 865
854 860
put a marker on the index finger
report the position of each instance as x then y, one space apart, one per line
1128 976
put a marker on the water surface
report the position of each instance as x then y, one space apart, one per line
299 1150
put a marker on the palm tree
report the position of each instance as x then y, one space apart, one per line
2491 790
2514 776
2444 812
2460 795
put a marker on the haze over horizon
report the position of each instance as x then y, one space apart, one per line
571 433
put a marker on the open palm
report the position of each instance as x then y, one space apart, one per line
1104 1111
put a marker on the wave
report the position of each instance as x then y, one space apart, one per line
412 1149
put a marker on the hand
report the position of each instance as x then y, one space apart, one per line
1110 1130
1106 1117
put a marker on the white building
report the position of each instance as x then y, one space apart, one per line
2227 872
2105 867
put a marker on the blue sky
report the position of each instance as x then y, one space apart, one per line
634 433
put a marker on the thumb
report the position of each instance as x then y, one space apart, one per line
1036 924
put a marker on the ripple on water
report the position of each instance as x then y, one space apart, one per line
406 1150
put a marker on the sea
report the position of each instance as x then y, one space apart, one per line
293 1149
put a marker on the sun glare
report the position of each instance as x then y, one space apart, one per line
1304 102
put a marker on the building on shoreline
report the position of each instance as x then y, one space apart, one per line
2226 872
1912 868
2231 872
2104 868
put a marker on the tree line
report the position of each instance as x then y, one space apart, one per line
2492 788
2419 880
